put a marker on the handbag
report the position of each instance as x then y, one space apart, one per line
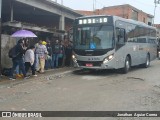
60 55
49 57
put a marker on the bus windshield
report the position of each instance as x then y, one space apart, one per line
94 37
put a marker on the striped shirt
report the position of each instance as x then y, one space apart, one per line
41 50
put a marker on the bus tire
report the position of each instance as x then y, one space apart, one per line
147 62
127 65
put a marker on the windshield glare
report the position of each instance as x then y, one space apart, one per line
97 37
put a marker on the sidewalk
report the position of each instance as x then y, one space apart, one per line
49 74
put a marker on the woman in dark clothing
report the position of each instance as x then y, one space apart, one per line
61 55
68 53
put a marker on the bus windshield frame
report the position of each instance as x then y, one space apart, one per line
94 37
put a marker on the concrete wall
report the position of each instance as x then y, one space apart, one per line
7 43
158 29
118 11
126 12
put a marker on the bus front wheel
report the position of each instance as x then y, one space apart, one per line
126 65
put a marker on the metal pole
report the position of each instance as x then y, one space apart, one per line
156 2
154 10
11 11
93 5
0 37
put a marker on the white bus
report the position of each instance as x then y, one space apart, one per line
111 42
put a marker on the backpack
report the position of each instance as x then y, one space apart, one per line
12 52
6 71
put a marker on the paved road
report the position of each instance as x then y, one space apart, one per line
86 91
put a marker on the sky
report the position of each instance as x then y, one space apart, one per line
146 6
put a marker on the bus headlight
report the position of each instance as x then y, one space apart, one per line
108 58
74 58
105 60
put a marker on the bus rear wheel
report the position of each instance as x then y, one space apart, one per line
147 62
127 65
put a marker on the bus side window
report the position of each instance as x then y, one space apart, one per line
120 35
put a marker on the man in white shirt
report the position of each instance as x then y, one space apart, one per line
29 60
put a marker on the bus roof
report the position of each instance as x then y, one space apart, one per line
119 18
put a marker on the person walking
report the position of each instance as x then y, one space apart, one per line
42 52
29 60
18 60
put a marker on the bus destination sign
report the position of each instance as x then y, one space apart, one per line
92 20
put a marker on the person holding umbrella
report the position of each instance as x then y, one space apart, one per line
18 60
20 50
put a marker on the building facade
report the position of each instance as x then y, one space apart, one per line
46 18
158 30
126 11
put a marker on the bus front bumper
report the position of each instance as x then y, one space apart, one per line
102 66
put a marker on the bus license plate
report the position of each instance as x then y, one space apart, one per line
89 65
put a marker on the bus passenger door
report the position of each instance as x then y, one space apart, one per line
120 46
120 38
142 49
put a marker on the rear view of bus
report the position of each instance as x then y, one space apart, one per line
102 42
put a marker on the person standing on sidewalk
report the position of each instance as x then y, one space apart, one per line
29 60
36 61
56 52
68 53
18 60
18 72
42 52
49 56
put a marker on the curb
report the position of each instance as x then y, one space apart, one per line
58 73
